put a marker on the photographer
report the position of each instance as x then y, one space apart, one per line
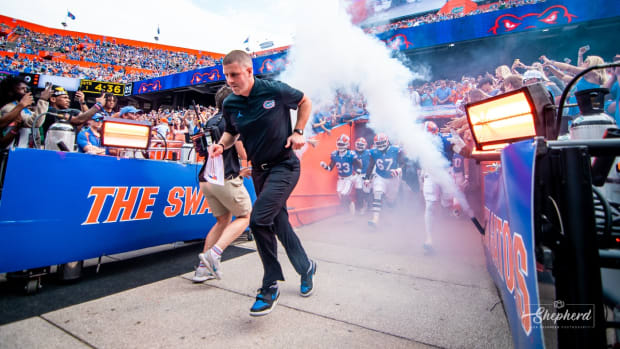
89 138
15 98
60 101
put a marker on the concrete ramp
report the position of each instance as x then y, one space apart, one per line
374 288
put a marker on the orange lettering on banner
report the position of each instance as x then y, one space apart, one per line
203 207
175 202
192 200
496 246
508 253
146 200
509 274
100 194
522 296
120 203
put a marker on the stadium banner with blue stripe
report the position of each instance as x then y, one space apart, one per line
270 64
541 15
262 65
194 77
58 207
509 241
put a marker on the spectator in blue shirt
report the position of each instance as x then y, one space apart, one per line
426 100
89 138
443 93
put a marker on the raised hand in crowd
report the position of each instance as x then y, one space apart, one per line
458 125
581 52
46 93
79 97
26 100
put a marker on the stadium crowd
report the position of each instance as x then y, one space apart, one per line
445 96
111 58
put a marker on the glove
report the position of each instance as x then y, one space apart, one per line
324 165
396 172
359 171
457 142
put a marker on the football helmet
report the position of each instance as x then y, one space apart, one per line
343 142
360 144
381 141
431 127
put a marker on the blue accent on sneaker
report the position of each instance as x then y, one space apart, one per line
307 282
266 300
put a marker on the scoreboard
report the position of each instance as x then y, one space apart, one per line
99 87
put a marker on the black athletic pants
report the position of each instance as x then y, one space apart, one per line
269 219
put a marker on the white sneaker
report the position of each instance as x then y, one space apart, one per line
375 220
212 263
202 274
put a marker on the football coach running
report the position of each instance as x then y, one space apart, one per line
259 112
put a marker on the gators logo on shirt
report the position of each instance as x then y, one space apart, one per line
269 104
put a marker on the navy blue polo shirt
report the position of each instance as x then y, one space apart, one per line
263 119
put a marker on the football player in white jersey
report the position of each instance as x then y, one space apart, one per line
434 197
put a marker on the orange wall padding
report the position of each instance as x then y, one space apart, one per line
314 197
41 29
21 55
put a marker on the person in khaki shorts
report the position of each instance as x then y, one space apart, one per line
225 201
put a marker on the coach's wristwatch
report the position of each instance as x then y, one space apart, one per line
298 130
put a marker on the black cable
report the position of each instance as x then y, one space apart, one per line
165 144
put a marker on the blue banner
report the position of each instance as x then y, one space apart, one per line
262 65
546 14
270 64
59 207
194 77
509 241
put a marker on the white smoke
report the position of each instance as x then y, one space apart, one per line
330 53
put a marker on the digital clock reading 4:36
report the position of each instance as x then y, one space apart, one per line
99 87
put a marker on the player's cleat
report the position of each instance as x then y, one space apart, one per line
307 281
212 263
428 248
456 209
266 300
202 274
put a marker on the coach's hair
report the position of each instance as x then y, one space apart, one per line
221 95
237 56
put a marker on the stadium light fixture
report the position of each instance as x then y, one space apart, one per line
124 133
514 116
